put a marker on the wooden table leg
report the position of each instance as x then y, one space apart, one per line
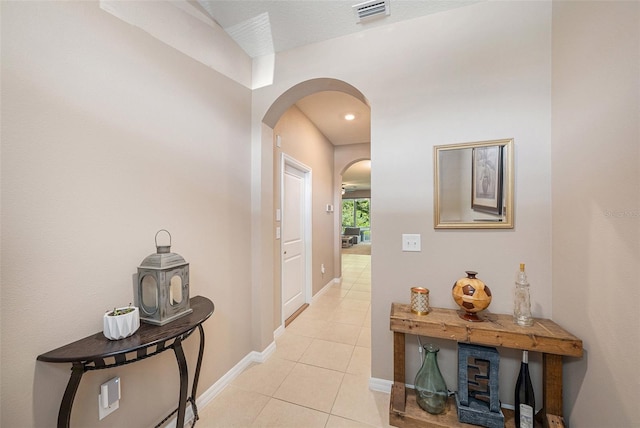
184 380
398 357
552 384
64 414
399 395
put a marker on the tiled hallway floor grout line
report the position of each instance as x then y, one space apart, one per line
318 377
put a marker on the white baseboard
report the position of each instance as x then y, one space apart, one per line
279 332
206 397
261 357
325 288
380 385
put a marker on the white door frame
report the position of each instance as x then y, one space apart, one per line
288 160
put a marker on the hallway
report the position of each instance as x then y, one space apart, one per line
319 373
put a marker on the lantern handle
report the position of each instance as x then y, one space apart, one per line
163 230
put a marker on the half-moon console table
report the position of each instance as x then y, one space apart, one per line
96 352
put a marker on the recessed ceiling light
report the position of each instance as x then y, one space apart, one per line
349 116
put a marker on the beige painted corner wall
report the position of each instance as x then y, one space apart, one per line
302 141
472 74
596 206
108 136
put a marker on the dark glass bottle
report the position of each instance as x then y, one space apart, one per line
525 402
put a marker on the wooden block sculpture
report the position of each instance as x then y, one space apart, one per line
477 399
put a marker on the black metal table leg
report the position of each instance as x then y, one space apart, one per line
184 381
196 375
90 353
64 414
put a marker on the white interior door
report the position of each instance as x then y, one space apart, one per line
294 240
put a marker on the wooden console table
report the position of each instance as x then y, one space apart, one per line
96 352
544 336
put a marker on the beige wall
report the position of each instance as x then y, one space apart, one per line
482 72
596 205
102 125
301 140
108 136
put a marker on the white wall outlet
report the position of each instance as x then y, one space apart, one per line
411 242
109 397
322 268
278 141
329 208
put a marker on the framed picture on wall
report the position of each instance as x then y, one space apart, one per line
486 179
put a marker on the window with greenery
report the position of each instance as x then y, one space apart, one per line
355 213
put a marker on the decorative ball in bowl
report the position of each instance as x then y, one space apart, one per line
472 295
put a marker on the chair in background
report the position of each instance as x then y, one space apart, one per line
354 233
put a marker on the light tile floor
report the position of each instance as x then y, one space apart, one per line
319 373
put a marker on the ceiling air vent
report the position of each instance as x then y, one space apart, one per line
371 9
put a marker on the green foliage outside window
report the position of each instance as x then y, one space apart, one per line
348 218
355 213
362 213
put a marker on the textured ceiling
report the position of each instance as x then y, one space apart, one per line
263 27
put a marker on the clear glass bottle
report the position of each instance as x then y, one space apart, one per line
431 389
522 300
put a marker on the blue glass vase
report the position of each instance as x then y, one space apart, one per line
431 389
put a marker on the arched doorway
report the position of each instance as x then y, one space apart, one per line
333 199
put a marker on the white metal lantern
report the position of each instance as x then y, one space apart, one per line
163 286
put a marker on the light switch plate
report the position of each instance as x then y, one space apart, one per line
411 242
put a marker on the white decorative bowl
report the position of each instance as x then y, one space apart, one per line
121 326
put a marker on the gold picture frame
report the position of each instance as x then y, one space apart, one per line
456 205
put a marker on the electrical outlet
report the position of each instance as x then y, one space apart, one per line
322 268
109 397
